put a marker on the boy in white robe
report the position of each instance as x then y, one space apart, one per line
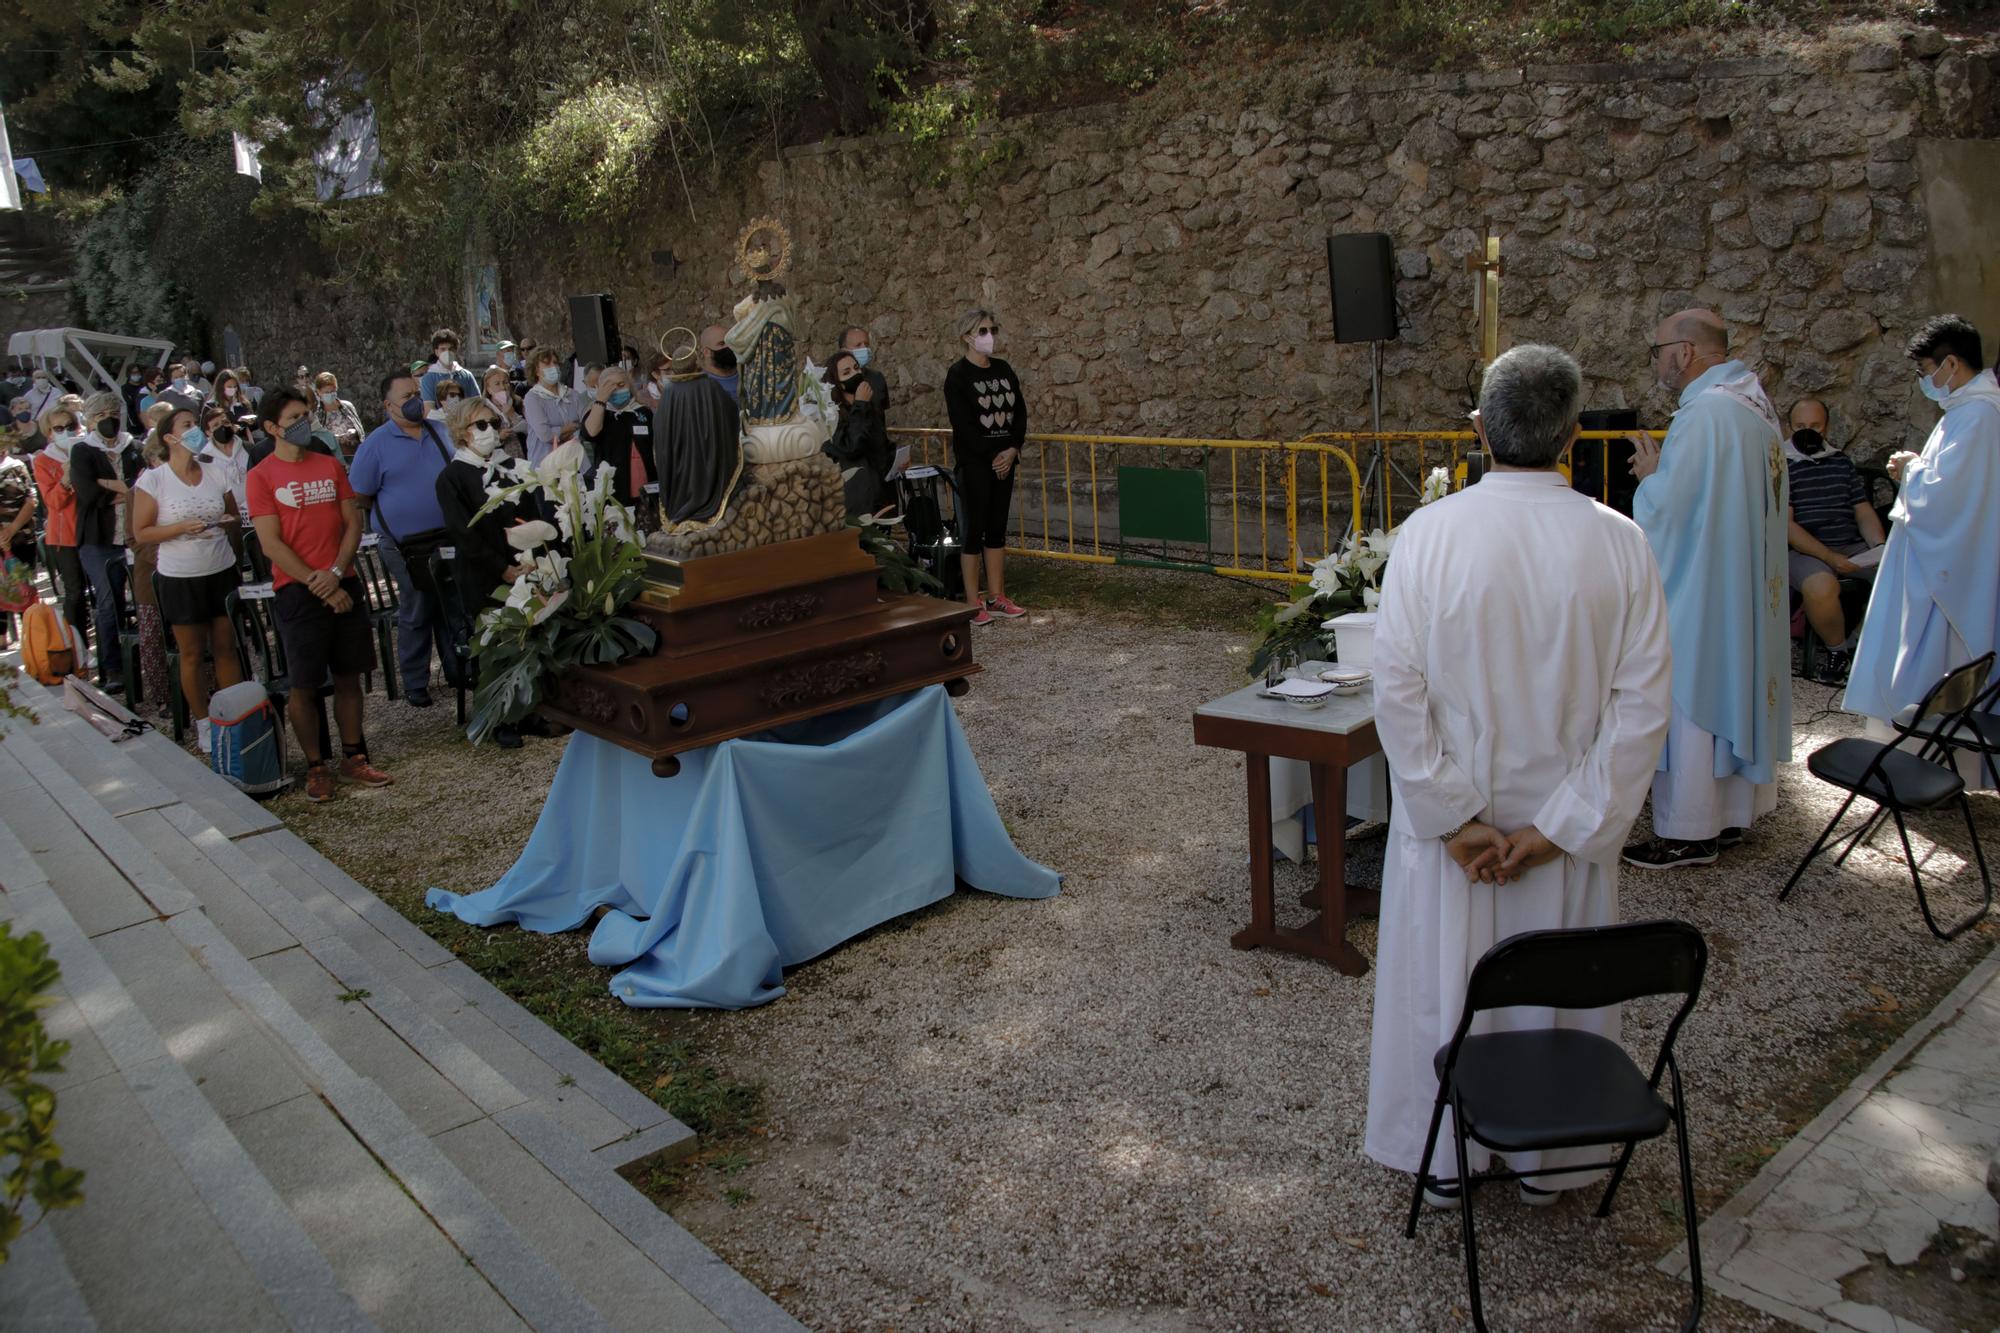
1522 690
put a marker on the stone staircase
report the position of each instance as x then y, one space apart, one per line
295 1109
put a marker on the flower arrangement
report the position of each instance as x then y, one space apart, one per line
577 574
1348 580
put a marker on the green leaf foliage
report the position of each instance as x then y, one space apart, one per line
31 1168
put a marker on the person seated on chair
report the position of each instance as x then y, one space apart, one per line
482 564
309 524
1831 522
1522 691
860 444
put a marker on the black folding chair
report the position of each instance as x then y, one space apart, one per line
1978 733
378 587
1552 1088
1901 782
456 659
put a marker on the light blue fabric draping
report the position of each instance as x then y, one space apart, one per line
1715 515
1940 573
760 853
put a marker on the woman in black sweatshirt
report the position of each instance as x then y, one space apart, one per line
989 420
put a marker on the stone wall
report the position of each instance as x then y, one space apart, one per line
1159 270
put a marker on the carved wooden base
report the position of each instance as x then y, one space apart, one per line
756 639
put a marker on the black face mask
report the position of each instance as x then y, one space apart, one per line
850 384
725 360
223 435
1808 441
108 428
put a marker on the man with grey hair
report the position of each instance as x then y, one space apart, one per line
1712 500
1522 689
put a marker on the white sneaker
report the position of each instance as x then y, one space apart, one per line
201 736
1535 1197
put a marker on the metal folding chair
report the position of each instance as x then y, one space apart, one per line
1901 782
1551 1088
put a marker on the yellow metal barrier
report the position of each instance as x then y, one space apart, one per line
1313 516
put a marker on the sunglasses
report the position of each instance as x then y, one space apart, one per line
987 328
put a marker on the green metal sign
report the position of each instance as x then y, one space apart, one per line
1163 504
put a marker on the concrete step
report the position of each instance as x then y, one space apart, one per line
408 1075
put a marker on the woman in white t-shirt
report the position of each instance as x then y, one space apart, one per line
188 509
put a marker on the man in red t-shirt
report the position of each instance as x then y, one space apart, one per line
309 525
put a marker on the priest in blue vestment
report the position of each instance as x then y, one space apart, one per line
1712 502
1936 603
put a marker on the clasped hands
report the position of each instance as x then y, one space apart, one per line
1488 856
325 585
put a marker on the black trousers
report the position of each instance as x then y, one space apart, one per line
983 501
67 568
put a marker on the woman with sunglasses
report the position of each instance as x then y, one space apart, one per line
989 421
482 562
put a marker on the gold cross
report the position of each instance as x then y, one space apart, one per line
1485 266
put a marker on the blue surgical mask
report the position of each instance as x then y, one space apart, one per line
620 397
860 355
412 408
1927 386
192 439
550 374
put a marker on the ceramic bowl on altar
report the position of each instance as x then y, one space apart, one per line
1306 703
1347 680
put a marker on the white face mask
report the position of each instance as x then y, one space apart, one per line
444 358
983 344
483 440
229 391
499 397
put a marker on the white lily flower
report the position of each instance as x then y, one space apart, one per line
531 534
1437 485
565 460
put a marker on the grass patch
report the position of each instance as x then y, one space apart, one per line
1159 596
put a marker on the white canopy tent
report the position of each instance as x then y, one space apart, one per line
93 361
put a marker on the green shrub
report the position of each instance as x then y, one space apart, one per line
27 1107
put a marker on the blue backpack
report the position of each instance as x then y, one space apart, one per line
246 744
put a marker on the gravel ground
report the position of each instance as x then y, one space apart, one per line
1091 1112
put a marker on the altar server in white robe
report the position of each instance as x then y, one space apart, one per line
1936 603
1521 693
1712 501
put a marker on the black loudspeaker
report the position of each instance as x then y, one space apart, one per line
1362 272
1602 469
593 326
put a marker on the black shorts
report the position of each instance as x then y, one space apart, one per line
983 500
194 601
317 640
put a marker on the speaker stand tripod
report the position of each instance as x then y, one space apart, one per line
1382 470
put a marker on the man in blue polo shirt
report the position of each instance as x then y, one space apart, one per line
394 475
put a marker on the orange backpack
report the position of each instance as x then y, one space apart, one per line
49 648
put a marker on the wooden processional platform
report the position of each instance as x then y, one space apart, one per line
758 638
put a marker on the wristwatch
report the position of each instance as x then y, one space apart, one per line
335 570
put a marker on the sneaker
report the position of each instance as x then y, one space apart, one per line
1834 666
1729 837
418 698
1445 1195
1002 606
202 737
356 768
1664 854
984 617
1537 1198
319 783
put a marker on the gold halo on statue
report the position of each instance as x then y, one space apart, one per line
765 251
683 362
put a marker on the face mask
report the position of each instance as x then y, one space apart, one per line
108 428
626 364
507 360
412 408
299 432
725 360
40 384
192 439
499 397
180 382
1927 385
983 344
620 397
24 416
850 384
224 436
1808 441
229 391
444 358
330 397
550 374
860 355
446 400
131 379
484 439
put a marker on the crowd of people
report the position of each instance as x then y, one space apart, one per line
1543 664
148 506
